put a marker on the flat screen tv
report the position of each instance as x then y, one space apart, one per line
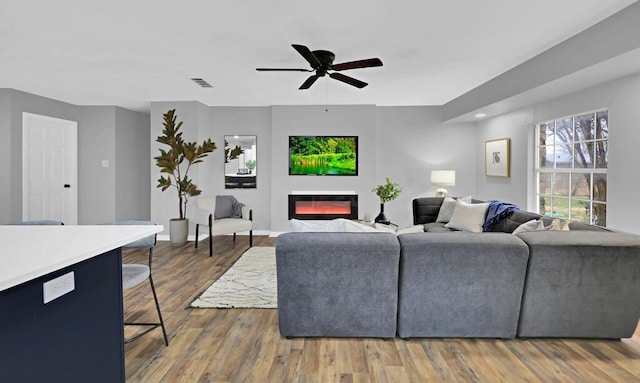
323 155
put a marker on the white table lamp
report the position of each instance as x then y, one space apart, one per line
443 178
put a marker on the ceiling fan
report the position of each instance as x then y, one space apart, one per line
322 62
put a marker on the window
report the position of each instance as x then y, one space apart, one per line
571 167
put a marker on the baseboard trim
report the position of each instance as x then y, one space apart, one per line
192 237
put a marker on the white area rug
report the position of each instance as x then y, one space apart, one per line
249 283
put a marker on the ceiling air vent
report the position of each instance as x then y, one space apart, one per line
201 82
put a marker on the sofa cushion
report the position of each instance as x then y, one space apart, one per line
468 217
533 225
460 284
436 227
337 284
574 226
231 225
581 284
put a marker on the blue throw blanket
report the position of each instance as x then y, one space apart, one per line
496 212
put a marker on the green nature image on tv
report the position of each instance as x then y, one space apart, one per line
323 155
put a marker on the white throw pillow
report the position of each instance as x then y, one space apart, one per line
306 226
356 227
338 225
538 225
447 207
303 226
468 217
385 228
533 225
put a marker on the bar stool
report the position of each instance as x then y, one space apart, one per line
134 274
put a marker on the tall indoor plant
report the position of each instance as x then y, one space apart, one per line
386 192
175 163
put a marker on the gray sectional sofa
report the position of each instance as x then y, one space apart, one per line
445 283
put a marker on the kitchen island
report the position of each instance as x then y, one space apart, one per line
61 315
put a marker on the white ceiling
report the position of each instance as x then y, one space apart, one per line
130 53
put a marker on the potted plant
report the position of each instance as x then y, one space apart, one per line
386 192
175 163
251 164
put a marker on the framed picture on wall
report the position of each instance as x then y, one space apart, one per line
240 167
497 157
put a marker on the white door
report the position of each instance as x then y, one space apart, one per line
49 169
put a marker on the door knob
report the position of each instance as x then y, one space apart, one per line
67 186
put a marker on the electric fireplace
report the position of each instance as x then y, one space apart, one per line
323 206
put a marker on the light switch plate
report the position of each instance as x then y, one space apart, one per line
57 287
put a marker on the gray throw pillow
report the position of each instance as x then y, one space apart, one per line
446 209
227 206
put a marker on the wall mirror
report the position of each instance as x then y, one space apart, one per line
240 165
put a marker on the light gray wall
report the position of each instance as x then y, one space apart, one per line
132 170
14 103
518 126
96 142
355 120
410 142
620 97
5 156
228 121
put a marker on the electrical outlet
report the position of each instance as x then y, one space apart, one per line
58 287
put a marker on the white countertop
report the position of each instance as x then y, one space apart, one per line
28 252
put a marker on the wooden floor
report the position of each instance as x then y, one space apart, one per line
244 345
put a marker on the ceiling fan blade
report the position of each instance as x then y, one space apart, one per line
358 64
283 70
348 80
308 55
307 84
